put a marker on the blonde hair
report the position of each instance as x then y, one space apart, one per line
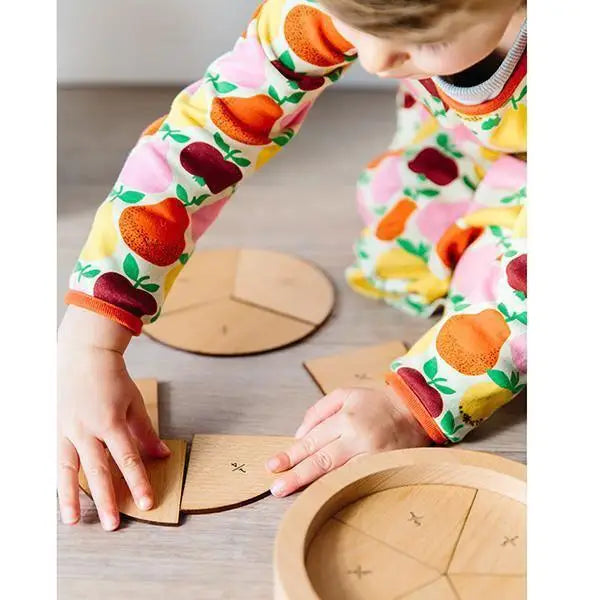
410 17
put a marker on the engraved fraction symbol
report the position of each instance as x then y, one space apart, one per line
224 330
361 376
237 467
415 519
359 572
509 540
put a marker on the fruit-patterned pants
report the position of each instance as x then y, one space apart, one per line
445 227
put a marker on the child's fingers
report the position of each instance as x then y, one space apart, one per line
68 482
95 465
141 428
330 457
319 436
322 409
128 459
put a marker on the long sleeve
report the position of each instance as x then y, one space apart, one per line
474 360
248 105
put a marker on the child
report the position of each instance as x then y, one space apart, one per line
444 226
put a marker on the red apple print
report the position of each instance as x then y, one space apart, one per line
204 161
430 87
516 272
305 82
409 100
437 167
118 291
430 397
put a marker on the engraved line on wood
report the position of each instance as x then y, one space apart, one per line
461 531
280 313
415 519
359 572
509 540
384 543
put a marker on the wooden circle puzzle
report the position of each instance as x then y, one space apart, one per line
243 301
426 524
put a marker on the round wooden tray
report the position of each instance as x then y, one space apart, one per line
426 524
243 301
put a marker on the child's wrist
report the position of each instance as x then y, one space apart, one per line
82 327
417 436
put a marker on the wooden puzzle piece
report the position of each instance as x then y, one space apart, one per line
438 590
227 327
284 284
208 276
345 564
423 521
226 471
493 540
166 479
242 301
149 391
365 367
489 587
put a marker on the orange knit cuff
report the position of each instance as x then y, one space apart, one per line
416 407
120 316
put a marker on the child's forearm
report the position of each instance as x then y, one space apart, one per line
249 104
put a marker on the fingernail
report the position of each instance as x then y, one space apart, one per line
273 464
278 487
300 432
69 516
164 448
144 502
109 522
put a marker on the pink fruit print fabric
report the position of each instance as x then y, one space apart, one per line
445 229
249 104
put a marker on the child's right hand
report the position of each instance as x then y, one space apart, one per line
99 405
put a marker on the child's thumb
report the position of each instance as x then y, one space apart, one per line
141 428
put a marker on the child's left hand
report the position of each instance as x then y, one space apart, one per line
341 426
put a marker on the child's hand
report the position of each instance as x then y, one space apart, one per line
99 404
340 426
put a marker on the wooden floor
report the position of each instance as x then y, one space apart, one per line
302 203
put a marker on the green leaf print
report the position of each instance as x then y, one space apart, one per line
273 93
131 268
422 250
179 137
286 60
521 95
510 253
129 197
90 274
335 75
428 192
444 389
184 258
500 379
156 315
221 143
430 368
502 308
520 295
522 318
490 123
416 306
224 87
240 161
447 424
181 193
150 287
294 98
496 231
469 183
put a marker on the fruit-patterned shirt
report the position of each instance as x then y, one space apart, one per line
249 104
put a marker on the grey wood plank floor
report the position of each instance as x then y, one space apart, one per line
302 203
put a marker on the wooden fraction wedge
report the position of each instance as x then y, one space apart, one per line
227 327
489 587
365 367
284 284
208 276
149 391
166 479
346 564
423 521
226 471
493 541
242 301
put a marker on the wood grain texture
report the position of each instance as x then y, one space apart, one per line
345 564
149 390
301 203
226 471
419 515
166 479
363 367
284 284
489 587
502 549
440 589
